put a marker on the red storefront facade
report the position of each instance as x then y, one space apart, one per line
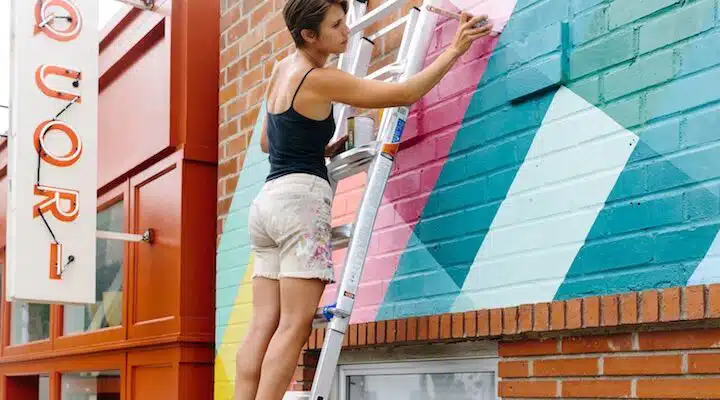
150 335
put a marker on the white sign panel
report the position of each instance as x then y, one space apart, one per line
53 151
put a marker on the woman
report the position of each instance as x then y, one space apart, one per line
289 220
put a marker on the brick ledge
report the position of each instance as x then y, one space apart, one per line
687 305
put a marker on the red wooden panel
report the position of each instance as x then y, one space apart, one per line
154 375
198 250
195 71
196 381
154 275
134 122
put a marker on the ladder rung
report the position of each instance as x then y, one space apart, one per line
297 396
376 14
391 70
352 162
340 236
319 324
388 28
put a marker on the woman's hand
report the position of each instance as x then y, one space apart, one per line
336 147
467 32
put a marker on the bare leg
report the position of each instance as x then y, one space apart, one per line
266 314
299 299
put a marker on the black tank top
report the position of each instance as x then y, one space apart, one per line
297 143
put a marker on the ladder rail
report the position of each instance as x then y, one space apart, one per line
359 68
358 20
414 47
356 10
405 44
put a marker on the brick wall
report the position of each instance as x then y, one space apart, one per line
652 345
646 365
574 157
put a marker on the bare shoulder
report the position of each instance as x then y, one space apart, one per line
277 67
328 80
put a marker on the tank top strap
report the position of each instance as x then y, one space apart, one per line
292 103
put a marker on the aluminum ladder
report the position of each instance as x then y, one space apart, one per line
377 158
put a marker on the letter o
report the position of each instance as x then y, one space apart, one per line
64 160
63 35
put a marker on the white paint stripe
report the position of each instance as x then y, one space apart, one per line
571 168
709 269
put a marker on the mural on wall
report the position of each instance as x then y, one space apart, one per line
576 154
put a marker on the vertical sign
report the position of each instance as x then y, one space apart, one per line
53 151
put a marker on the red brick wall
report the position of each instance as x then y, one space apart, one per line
673 364
655 344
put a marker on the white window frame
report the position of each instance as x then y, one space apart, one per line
423 366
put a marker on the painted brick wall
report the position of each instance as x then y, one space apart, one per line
574 156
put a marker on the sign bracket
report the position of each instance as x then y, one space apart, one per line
146 236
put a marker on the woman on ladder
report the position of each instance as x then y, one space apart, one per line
289 220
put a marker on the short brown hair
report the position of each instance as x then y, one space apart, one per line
307 14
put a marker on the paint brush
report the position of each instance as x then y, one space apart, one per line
452 15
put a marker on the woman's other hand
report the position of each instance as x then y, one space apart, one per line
336 147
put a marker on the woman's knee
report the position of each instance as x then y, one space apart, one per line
298 326
257 339
265 325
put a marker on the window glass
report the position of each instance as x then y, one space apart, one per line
103 385
29 322
107 310
44 388
445 386
451 379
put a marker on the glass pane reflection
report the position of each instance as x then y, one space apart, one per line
91 386
107 310
435 386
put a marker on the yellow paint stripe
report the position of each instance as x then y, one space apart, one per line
234 334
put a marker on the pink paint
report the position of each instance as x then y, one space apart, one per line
394 239
414 156
498 11
443 144
376 267
446 114
402 187
364 314
385 217
430 174
410 210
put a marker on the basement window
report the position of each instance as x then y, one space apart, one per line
456 379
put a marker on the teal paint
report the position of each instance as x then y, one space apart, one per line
233 252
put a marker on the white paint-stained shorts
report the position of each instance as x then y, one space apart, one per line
289 226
